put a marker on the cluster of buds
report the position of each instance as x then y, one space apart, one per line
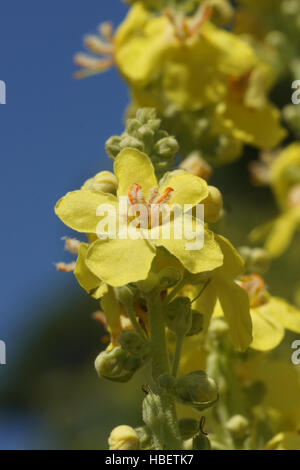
143 133
195 389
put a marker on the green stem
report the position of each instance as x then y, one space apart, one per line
179 343
175 291
135 323
160 366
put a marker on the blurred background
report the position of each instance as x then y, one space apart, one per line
52 135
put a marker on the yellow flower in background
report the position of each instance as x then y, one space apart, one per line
284 176
188 60
222 292
120 261
281 400
270 315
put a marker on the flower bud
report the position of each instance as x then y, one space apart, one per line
197 323
116 365
123 438
110 363
178 315
197 390
197 166
201 442
133 345
104 181
113 147
238 426
166 148
168 277
143 133
188 427
213 205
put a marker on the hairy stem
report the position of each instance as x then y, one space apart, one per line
160 366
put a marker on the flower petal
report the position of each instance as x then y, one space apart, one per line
284 313
267 332
188 189
195 261
119 262
235 305
233 264
282 233
258 127
132 166
91 283
78 209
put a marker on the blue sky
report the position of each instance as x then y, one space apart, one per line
52 135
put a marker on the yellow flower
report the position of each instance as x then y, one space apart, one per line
270 315
285 182
223 295
189 56
119 261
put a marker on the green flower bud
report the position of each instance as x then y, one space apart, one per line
197 390
123 438
197 323
116 365
166 148
104 181
110 363
143 133
238 426
168 277
188 427
178 315
201 442
133 345
113 147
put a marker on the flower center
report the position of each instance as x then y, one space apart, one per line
154 203
254 285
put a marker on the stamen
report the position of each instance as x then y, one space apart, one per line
254 285
72 245
204 14
97 46
135 194
178 30
166 196
106 31
65 267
